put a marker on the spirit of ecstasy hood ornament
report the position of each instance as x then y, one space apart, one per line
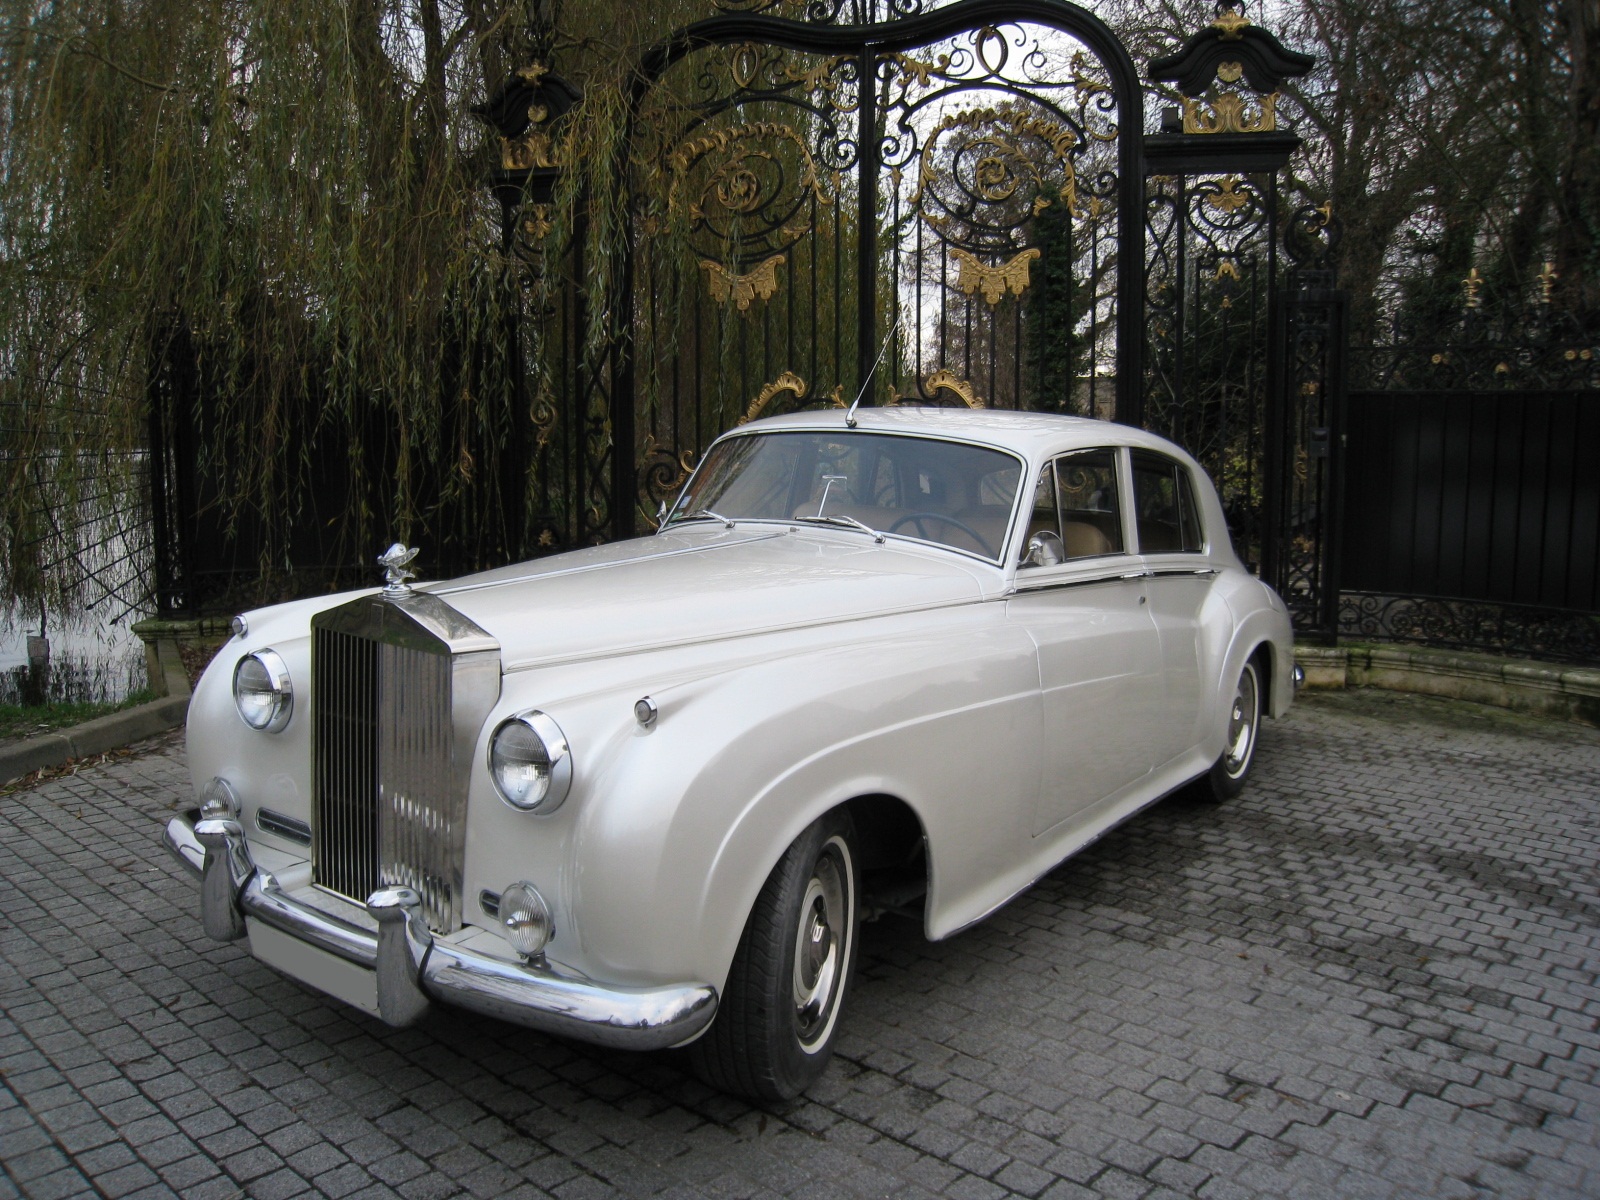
394 561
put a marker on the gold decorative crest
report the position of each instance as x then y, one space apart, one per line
1230 25
538 224
977 275
742 289
786 382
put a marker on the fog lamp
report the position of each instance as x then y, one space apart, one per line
525 919
218 801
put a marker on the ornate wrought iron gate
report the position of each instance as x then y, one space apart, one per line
878 200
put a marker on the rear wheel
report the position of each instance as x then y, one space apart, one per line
775 1026
1232 768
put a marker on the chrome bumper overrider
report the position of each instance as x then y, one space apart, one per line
413 967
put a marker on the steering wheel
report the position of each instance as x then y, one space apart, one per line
920 517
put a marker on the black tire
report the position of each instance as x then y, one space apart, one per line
1232 768
775 1027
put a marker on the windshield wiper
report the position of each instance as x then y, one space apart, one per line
701 514
842 520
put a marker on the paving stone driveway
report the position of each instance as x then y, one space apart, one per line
1374 974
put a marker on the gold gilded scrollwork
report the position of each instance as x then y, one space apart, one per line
1229 113
664 473
821 78
977 275
742 289
744 63
1228 199
948 381
543 413
535 147
1001 171
786 382
1547 282
735 137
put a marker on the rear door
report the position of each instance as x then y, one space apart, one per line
1100 667
1179 578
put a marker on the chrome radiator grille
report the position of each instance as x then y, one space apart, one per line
423 829
400 688
344 761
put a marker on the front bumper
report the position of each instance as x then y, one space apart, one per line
412 967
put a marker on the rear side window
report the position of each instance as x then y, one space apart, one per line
1164 506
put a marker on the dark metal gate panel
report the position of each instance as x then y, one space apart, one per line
1210 291
925 209
1488 497
1305 432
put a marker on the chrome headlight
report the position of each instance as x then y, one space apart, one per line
530 763
262 692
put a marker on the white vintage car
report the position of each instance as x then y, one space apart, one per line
644 794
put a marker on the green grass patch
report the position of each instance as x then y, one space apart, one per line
26 720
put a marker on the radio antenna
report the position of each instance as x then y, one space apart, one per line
850 417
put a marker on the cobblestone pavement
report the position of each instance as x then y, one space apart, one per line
1374 974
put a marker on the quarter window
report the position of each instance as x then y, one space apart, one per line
1164 506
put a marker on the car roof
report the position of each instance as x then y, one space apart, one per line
1031 434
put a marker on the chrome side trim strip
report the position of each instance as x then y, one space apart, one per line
413 968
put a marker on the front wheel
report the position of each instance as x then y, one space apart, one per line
1232 768
775 1026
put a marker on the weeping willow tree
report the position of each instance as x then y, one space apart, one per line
278 209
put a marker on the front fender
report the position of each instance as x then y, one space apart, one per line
669 853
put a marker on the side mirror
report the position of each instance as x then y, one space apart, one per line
1045 549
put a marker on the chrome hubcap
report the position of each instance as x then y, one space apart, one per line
1242 724
821 945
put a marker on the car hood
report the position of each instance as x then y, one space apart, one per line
702 584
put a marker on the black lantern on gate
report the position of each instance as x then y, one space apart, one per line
527 113
1229 74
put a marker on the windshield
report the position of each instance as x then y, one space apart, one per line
949 493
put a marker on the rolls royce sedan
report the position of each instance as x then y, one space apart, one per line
644 794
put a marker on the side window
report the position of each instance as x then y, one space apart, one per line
1164 506
1086 487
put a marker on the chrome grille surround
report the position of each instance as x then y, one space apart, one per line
400 687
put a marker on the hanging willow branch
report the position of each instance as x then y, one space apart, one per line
294 227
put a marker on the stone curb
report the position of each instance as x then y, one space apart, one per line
1542 689
110 731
